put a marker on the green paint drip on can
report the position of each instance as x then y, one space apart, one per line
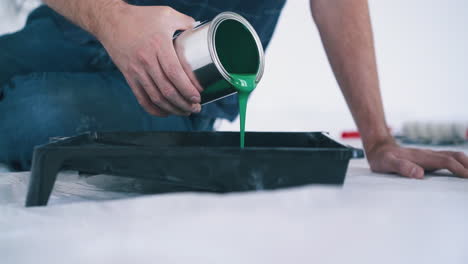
244 85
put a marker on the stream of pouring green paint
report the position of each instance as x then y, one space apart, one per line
244 84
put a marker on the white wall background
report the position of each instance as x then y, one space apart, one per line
13 13
422 50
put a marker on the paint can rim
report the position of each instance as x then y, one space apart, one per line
212 49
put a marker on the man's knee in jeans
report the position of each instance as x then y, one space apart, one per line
35 108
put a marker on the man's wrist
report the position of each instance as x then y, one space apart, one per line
108 18
373 140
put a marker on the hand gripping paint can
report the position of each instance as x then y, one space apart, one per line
212 51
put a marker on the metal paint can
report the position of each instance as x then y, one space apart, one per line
213 50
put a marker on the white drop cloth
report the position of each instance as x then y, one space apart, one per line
372 219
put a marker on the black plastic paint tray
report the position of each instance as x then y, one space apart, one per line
195 161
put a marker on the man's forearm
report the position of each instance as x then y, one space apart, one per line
346 33
95 16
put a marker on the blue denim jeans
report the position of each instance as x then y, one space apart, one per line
51 86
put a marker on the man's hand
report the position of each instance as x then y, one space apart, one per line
139 40
388 157
140 44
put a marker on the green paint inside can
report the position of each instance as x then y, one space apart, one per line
238 53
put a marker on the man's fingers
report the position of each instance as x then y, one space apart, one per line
459 156
168 91
158 98
178 20
144 100
173 70
190 73
406 168
184 22
453 165
438 161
